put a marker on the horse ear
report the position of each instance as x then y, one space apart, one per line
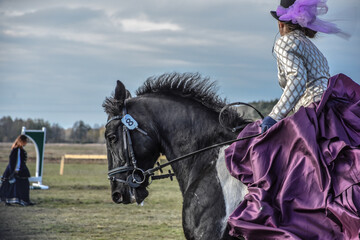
120 91
128 94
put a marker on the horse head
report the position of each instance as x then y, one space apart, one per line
131 147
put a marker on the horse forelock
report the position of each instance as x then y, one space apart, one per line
112 106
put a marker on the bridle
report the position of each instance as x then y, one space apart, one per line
138 175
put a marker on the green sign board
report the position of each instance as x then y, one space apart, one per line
38 138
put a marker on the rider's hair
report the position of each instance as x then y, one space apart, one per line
20 141
308 32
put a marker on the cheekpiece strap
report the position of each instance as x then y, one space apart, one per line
113 118
127 120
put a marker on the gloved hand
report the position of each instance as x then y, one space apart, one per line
267 123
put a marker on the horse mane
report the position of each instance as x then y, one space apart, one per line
194 86
188 85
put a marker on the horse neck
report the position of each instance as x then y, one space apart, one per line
184 126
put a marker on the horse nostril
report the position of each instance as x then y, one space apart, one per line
117 197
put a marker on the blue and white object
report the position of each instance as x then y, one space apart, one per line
129 122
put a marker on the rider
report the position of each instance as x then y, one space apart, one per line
303 174
303 71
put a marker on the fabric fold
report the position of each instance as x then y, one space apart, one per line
303 174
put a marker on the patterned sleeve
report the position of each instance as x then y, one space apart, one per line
290 62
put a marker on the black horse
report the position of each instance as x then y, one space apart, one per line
176 114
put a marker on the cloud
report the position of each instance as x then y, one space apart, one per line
17 13
142 25
65 56
46 33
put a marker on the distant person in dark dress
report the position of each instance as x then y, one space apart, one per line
15 180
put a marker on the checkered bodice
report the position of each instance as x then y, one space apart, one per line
303 73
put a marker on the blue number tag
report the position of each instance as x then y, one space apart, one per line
129 122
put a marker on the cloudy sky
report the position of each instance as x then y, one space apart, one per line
60 59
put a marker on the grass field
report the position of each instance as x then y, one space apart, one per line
78 206
54 151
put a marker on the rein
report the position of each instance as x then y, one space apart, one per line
234 129
138 175
151 171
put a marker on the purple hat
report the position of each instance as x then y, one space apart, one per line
284 4
305 13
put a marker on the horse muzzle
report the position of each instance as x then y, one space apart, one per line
128 195
128 188
127 198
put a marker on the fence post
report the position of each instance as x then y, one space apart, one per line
62 165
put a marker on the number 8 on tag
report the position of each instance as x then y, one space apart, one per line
129 122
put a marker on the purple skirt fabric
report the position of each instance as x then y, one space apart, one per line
303 174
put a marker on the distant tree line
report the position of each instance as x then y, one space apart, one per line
264 107
80 132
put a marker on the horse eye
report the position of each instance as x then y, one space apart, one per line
112 138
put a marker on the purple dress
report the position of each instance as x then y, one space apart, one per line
303 174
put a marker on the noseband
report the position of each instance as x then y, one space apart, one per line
137 176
